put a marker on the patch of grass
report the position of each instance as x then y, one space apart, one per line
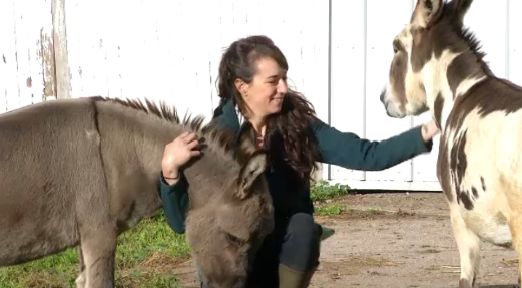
150 236
54 271
329 210
323 191
145 257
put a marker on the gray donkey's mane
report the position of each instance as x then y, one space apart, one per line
221 138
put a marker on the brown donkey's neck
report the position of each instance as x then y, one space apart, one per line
462 67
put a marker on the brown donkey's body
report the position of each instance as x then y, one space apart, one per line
437 66
81 171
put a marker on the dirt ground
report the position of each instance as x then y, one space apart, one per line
395 240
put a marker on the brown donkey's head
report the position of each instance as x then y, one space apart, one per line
435 60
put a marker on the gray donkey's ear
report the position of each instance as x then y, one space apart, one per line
427 12
251 170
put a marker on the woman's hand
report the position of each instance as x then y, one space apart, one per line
429 130
178 153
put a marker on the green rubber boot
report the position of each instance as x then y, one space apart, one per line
290 278
326 232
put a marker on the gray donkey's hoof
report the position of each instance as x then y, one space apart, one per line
80 281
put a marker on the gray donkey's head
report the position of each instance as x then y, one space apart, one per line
230 214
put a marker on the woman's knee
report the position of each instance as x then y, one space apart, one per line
303 228
300 249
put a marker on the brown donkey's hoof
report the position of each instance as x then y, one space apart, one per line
465 283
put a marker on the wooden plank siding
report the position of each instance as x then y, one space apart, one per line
169 50
26 51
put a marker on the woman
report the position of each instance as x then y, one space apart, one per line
252 84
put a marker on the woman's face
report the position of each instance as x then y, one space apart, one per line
264 95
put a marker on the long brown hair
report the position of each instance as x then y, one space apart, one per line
289 136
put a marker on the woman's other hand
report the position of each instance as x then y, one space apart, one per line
178 153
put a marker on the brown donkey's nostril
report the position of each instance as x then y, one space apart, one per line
382 95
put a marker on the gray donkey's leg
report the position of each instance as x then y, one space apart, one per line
98 247
80 280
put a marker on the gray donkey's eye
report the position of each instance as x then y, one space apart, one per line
235 241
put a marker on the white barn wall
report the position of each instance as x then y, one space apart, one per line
8 72
348 76
168 50
514 52
26 58
381 28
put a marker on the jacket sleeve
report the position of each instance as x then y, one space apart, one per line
228 118
175 203
348 150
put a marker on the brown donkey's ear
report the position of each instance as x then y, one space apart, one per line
459 9
427 12
251 170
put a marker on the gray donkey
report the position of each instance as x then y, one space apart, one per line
81 171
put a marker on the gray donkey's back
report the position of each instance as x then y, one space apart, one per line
40 183
70 175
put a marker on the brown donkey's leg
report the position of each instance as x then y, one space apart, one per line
469 249
98 248
515 225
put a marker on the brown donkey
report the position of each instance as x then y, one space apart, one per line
437 67
81 171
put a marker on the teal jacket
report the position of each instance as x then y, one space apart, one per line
289 195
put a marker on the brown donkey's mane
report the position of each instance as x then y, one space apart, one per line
472 41
474 45
463 33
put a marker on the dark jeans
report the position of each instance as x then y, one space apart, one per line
295 243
